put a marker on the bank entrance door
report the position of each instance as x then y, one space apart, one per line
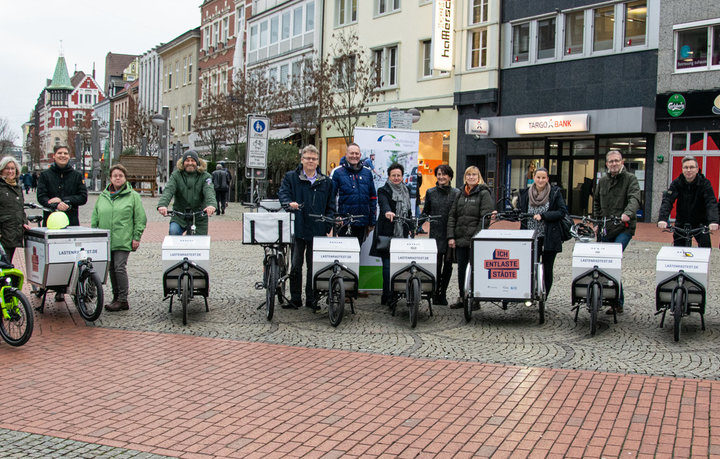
575 161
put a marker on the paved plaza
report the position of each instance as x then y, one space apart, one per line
230 383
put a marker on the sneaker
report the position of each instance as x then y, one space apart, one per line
59 297
118 306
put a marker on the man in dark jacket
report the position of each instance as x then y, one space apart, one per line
617 194
696 203
438 201
221 183
61 187
306 191
191 186
356 194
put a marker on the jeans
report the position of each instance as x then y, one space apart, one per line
176 229
624 239
118 275
301 249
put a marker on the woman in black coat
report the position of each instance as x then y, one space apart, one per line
393 199
12 216
546 203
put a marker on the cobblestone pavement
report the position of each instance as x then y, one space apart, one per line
22 444
635 344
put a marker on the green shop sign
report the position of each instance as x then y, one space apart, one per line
676 105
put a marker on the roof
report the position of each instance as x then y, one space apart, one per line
77 78
192 33
61 79
115 64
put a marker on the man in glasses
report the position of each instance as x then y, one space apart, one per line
696 203
617 194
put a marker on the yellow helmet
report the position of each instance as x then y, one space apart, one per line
57 220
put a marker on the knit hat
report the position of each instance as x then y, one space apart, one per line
191 154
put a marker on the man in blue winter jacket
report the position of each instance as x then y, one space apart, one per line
356 193
306 191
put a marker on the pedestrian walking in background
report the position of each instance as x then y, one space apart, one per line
12 214
120 210
27 181
548 207
393 199
696 203
465 220
617 194
221 183
438 201
35 178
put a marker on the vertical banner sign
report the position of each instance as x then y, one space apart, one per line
389 146
443 35
257 141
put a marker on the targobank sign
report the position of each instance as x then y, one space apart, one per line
443 37
559 123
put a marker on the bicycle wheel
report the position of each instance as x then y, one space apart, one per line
185 296
280 290
89 295
678 307
414 301
336 303
594 307
270 287
16 329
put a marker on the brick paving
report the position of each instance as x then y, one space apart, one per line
245 387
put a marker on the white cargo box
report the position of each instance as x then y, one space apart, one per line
346 250
503 264
404 251
268 227
194 248
51 254
607 256
694 261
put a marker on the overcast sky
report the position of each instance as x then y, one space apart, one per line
31 30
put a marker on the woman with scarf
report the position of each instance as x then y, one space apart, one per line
548 207
12 216
393 199
120 210
465 220
438 201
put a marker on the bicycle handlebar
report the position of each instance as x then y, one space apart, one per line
597 221
340 219
191 214
32 205
687 233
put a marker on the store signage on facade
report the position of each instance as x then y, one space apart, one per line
551 124
694 104
443 36
477 127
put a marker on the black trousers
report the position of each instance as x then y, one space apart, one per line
444 270
547 258
221 196
359 232
301 250
463 258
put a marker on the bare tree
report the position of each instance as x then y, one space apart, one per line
251 93
211 123
355 81
138 125
311 97
81 127
7 137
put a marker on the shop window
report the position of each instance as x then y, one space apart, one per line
574 31
716 45
521 42
603 27
635 23
679 142
713 141
546 38
691 50
697 141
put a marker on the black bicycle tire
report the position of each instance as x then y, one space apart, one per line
185 296
81 301
595 301
678 307
336 303
414 302
24 308
271 287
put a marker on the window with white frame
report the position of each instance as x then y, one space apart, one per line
478 11
216 33
177 74
344 72
386 63
189 80
263 34
521 42
206 35
697 48
296 70
574 32
386 6
272 78
635 29
603 28
285 30
274 29
285 75
185 68
239 21
297 21
169 81
426 46
253 38
310 16
345 12
226 28
477 49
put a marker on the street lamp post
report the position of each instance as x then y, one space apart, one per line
162 123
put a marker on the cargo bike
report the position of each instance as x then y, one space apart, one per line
413 264
335 267
681 278
186 264
596 269
505 267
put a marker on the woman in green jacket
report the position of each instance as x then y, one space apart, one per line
120 210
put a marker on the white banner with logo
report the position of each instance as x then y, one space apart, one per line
443 35
389 146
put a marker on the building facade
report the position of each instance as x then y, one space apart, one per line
150 78
688 86
575 82
180 88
